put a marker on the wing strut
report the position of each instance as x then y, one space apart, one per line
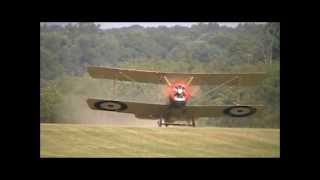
114 87
190 80
218 87
133 80
167 80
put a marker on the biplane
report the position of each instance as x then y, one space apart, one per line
178 84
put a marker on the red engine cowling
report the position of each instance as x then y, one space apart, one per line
179 93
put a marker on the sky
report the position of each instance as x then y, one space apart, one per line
111 25
156 24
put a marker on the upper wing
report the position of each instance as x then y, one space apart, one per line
141 110
243 79
215 111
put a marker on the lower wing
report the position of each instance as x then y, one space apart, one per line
228 110
154 111
140 110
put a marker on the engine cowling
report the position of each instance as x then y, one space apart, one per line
179 93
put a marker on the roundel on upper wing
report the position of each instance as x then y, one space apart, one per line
110 105
240 111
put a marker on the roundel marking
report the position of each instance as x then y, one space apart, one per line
110 105
240 111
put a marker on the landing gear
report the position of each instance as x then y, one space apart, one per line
160 123
166 124
193 122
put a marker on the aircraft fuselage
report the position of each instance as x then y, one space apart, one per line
178 98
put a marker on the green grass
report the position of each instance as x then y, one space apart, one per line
82 140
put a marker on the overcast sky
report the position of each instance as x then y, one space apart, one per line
110 25
156 24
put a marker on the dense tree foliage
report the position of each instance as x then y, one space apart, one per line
205 47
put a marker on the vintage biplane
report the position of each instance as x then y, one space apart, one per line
178 85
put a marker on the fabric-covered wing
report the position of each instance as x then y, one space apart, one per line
140 110
242 79
222 110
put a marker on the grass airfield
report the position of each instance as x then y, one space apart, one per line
96 140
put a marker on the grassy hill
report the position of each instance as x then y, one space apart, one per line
83 140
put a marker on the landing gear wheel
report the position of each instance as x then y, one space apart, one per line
159 123
193 123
